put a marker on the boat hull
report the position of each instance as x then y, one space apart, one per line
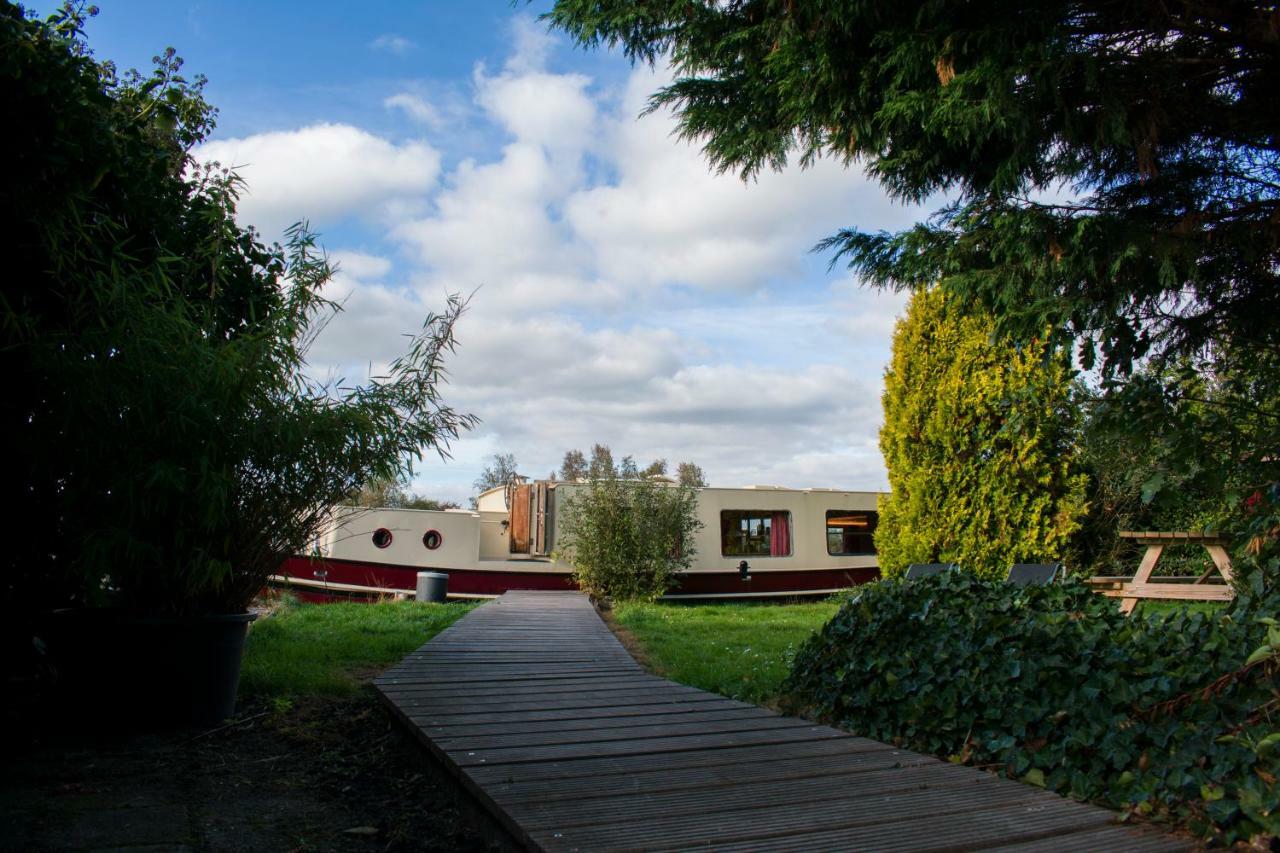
537 575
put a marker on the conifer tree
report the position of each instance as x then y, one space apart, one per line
978 442
1112 169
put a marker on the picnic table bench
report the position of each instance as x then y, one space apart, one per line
1146 586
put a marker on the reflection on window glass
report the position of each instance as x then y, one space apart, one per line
850 531
755 533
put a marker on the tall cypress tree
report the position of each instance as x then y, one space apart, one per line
978 441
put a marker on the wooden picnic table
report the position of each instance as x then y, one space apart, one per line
1144 586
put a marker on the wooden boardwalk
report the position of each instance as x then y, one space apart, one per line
538 709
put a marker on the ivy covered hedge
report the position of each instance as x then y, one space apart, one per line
1169 716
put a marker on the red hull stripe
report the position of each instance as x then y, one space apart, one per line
485 582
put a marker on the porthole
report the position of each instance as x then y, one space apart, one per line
381 537
432 539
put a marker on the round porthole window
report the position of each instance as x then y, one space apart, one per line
381 537
432 539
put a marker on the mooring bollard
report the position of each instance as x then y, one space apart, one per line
432 586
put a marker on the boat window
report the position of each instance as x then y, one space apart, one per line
432 539
381 538
755 533
851 531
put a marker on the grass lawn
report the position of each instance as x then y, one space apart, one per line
324 649
1150 607
742 651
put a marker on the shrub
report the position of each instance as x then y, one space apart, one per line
169 447
1162 716
978 442
628 537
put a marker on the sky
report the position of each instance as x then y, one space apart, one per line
621 291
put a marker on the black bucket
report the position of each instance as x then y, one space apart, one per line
147 673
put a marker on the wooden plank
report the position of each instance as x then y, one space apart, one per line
493 677
438 711
542 686
1187 592
610 694
765 767
463 726
599 735
644 746
684 762
536 703
1176 537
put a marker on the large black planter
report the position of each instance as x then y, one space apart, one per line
121 671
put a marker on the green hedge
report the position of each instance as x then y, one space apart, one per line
1173 715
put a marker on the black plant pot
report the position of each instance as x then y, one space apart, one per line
128 672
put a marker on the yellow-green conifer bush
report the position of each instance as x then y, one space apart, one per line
978 442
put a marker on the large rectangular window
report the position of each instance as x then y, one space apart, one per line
850 531
755 533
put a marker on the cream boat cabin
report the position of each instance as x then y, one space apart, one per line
794 541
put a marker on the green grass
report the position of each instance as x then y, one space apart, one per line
742 651
1152 606
325 649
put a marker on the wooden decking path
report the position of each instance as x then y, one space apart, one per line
538 709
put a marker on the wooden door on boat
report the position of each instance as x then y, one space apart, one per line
528 518
520 505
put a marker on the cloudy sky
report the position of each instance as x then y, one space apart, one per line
623 293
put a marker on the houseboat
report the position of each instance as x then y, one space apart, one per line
754 542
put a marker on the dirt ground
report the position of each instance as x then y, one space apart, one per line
325 775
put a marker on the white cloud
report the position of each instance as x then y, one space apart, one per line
553 111
670 218
392 43
414 107
359 265
323 173
532 45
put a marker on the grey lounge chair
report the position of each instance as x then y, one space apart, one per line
925 570
1035 574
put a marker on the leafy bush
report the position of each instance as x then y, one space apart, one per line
627 536
169 447
1160 716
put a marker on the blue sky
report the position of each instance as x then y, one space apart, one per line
626 295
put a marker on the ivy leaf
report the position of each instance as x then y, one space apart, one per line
1260 654
1152 487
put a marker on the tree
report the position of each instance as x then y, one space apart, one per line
396 495
1202 455
627 536
500 472
978 440
574 466
601 464
656 468
689 474
1113 170
416 501
170 449
379 492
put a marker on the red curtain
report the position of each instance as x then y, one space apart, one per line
780 535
